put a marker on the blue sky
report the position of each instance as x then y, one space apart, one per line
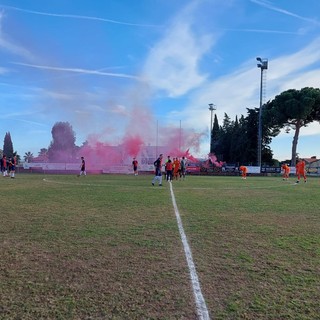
115 67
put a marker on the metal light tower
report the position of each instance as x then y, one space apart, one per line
263 65
212 107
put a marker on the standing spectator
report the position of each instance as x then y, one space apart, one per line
158 173
82 167
244 171
301 170
135 166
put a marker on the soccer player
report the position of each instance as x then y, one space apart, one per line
158 173
13 163
4 166
176 168
183 167
301 170
244 171
83 167
286 171
168 167
135 166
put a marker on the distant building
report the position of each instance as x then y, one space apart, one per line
312 165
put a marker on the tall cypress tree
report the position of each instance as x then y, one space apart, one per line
236 145
215 135
7 145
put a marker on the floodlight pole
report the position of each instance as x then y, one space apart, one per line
263 65
212 107
157 138
180 137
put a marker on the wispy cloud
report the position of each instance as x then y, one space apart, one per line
11 47
59 95
73 16
90 108
234 92
173 63
270 6
120 109
78 70
286 67
14 49
3 70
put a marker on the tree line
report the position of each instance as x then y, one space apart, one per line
236 141
62 147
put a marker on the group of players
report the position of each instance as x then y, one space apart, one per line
8 166
175 169
300 171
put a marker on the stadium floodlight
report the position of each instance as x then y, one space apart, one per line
212 107
263 65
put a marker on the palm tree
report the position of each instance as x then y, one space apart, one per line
43 155
28 156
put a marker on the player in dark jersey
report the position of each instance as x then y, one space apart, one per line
82 168
158 172
135 166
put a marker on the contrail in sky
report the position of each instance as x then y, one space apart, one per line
77 70
31 122
264 31
268 5
73 16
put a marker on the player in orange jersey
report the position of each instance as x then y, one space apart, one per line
244 171
301 170
286 171
176 168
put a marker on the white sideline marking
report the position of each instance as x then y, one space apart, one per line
202 310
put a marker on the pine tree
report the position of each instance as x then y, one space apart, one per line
62 147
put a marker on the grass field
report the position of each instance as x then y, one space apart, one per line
108 247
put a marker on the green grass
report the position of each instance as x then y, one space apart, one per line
108 247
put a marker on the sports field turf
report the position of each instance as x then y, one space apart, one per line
108 247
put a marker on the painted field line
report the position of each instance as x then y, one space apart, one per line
202 310
251 187
78 183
